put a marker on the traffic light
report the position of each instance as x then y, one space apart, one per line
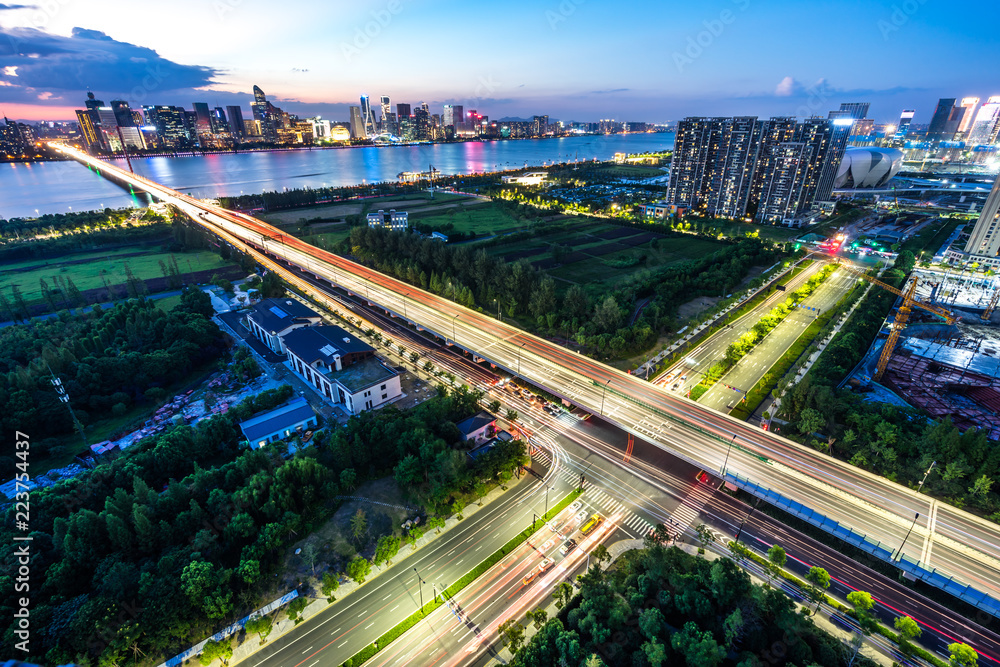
582 478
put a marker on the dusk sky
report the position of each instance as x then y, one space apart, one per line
571 59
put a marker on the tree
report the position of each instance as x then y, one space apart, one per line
863 604
811 421
698 648
348 479
908 629
511 416
494 407
963 655
820 580
359 525
776 559
295 609
562 593
261 625
705 535
358 569
331 583
651 623
537 617
435 522
386 549
213 649
600 553
512 632
608 316
981 488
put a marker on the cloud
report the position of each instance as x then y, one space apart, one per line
606 92
11 7
786 87
91 60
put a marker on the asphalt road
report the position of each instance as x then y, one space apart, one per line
742 377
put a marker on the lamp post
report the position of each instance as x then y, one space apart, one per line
405 294
900 554
726 462
933 463
453 328
519 356
605 394
420 585
497 302
740 531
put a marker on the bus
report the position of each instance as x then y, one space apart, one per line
592 523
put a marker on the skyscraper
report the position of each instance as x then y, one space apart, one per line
839 133
402 110
123 113
367 117
905 119
448 115
968 105
263 112
985 237
386 110
857 110
171 126
984 127
203 123
357 124
236 126
941 128
422 122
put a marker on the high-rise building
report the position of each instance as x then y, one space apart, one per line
984 128
448 115
123 113
263 112
92 102
236 125
941 128
203 119
357 124
856 110
422 122
16 139
90 125
171 125
386 110
771 170
219 123
985 237
367 117
402 110
968 105
540 125
903 127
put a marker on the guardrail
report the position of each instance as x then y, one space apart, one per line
861 541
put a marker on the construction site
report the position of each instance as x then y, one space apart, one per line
939 350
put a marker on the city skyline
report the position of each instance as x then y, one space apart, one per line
571 60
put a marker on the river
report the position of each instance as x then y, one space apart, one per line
28 189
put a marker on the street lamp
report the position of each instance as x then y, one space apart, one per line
453 328
900 555
605 394
497 302
405 294
740 531
726 463
933 463
519 356
420 585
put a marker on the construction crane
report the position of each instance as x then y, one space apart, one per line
909 303
985 317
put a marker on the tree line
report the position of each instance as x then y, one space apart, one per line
184 532
107 360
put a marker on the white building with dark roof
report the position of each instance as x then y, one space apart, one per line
272 319
397 221
342 368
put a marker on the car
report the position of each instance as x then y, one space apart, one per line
684 377
542 567
575 506
580 516
592 523
676 385
567 546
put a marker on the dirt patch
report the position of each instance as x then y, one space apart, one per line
332 545
695 307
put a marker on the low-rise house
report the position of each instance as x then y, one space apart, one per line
272 319
477 428
286 420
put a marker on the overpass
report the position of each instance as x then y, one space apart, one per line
938 543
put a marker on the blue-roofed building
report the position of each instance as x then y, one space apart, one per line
272 319
477 428
284 421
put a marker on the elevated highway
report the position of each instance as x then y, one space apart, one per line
959 551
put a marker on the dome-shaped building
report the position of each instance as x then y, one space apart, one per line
867 167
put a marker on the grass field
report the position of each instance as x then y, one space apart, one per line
167 304
485 220
87 275
327 240
632 171
770 232
339 210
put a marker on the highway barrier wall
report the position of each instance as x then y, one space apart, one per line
861 541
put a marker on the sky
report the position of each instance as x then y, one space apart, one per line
640 60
